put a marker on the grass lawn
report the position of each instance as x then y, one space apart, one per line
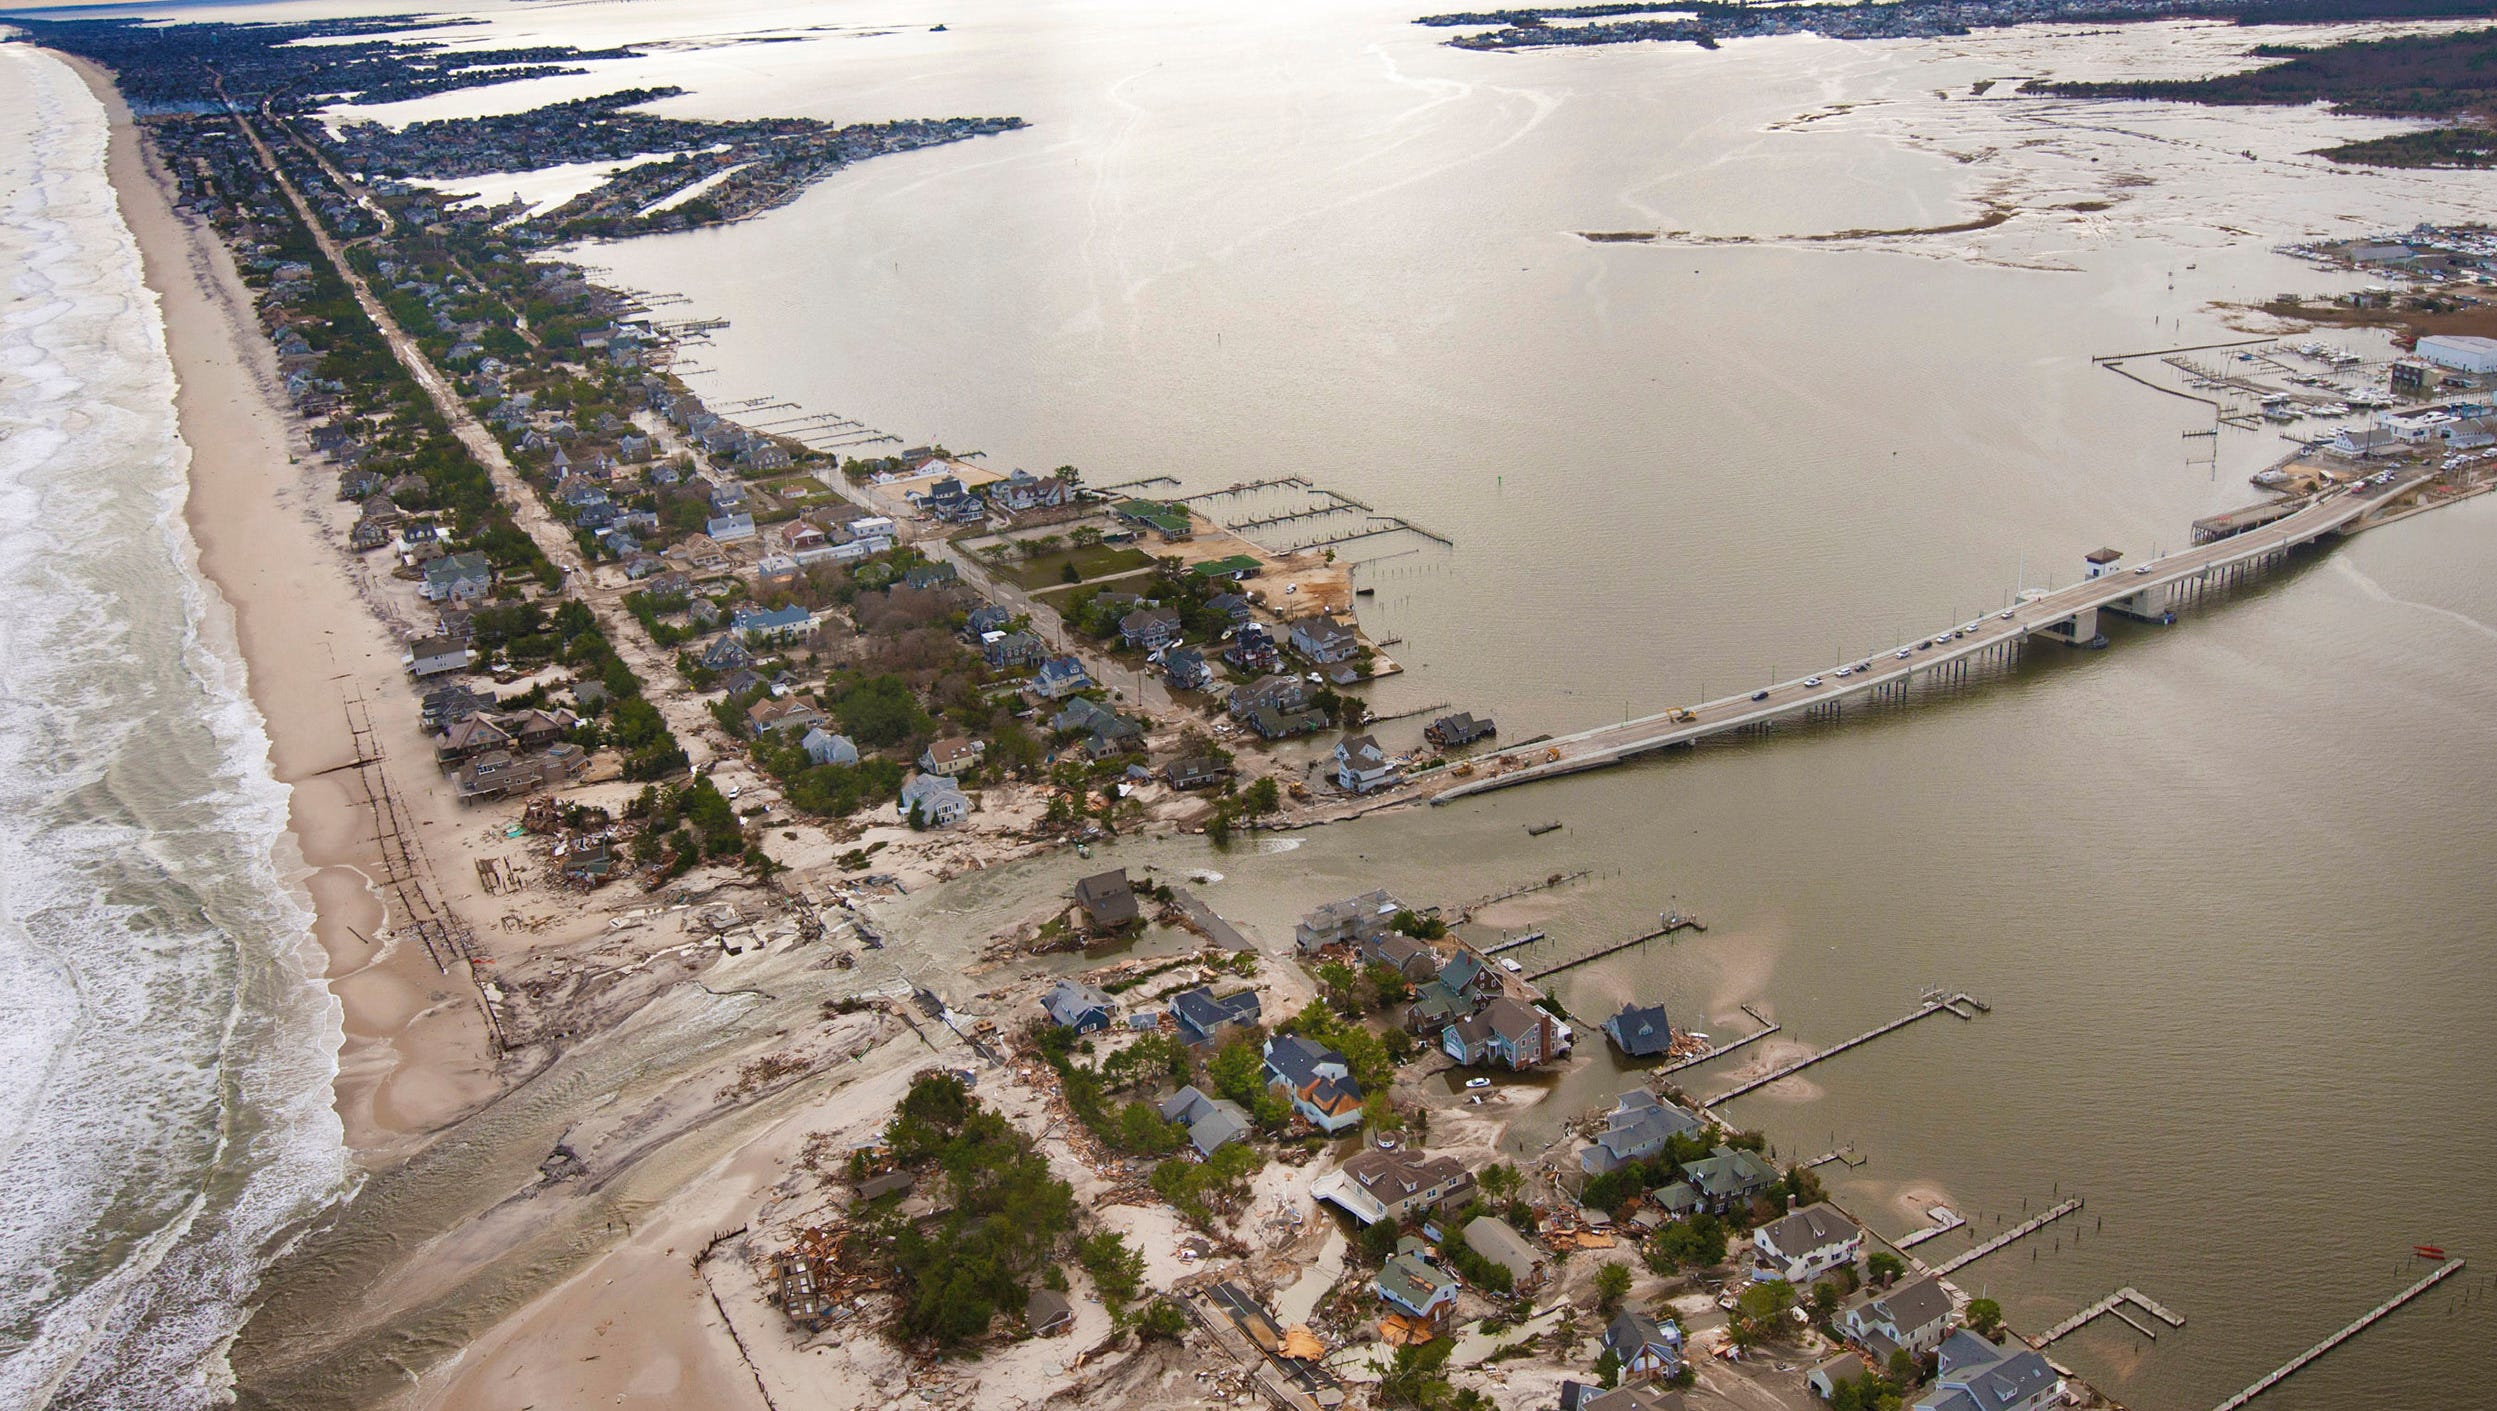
1098 561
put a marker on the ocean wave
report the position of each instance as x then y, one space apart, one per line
161 1005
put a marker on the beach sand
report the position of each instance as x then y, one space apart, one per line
415 1055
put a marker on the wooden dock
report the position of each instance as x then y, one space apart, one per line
1933 1231
2365 1321
1950 1004
2113 1303
1672 923
1721 1050
2029 1226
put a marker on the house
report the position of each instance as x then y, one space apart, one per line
1500 1242
1915 1316
1185 669
1324 640
1211 1121
725 653
1047 1313
448 705
1252 647
2361 443
1645 1348
1726 1175
783 624
1975 1375
1234 606
536 729
1823 1380
1025 491
1149 629
1638 1396
1203 1019
1395 1186
1640 1030
952 757
1352 921
1079 1007
1506 1032
458 578
1060 677
1005 649
499 773
774 571
1639 1126
1450 731
770 716
1108 900
1195 773
471 735
1800 1247
432 656
1318 1081
1413 959
938 801
1415 1286
1109 731
824 747
979 623
931 575
730 528
1363 767
1273 724
702 551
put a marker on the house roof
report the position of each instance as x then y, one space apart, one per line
929 789
1909 1306
1391 1176
1202 1011
1729 1171
1500 1242
1816 1226
953 751
1070 1001
1107 896
1045 1309
1632 1331
1362 751
1642 1030
1413 1281
1298 1060
1994 1377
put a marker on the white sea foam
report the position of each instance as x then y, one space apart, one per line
167 1122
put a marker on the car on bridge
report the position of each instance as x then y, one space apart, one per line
1812 681
1759 695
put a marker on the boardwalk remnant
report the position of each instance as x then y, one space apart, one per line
2029 1226
1959 1006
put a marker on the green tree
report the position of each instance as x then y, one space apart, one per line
880 711
1608 1369
1612 1285
1903 1367
1163 1320
1414 1377
1116 1270
1885 1267
1985 1315
1824 1299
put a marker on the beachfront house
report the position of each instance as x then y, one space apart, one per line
1415 1287
1396 1186
1500 1242
1640 1030
1975 1375
1640 1125
824 747
1644 1347
933 799
952 757
1351 922
1079 1007
1726 1175
1915 1316
1362 767
1324 640
458 578
1203 1019
1108 900
1506 1033
1212 1122
433 656
1317 1080
1802 1246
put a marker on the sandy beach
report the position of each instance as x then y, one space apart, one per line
414 1057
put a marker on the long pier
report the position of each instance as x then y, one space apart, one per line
1673 923
2113 1303
2026 1227
1940 1005
2364 1321
2068 615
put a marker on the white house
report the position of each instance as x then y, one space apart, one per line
1976 1373
1806 1244
939 800
824 747
1362 767
1914 1316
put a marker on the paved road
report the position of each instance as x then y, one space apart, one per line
1610 744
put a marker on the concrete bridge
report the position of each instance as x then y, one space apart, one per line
2223 554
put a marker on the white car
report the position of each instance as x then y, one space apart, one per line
1812 681
1906 652
1846 671
2141 568
2005 614
1478 1082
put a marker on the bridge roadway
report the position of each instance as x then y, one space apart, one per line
2328 512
